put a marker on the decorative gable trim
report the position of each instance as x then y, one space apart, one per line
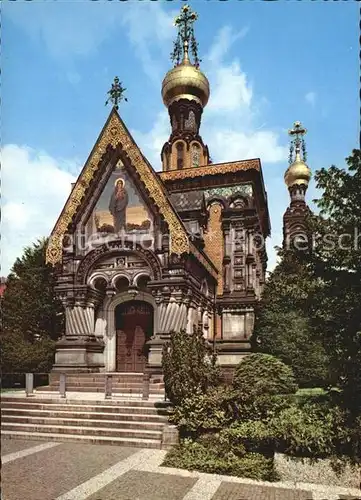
116 134
213 169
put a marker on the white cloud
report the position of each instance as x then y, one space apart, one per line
225 38
35 188
151 142
74 29
230 121
231 145
150 30
230 89
80 28
311 98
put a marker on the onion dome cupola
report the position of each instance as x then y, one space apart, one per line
298 174
297 178
185 92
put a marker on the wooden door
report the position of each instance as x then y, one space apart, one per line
134 324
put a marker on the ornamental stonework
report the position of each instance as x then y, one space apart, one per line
115 134
213 240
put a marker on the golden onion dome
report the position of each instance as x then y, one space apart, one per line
297 173
185 81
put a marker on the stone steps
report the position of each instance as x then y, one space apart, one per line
131 423
84 422
157 407
117 416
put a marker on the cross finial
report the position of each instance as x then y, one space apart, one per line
297 141
116 93
185 38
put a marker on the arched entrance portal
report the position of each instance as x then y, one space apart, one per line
134 326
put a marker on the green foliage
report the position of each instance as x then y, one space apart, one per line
208 412
303 431
263 374
283 323
32 318
29 306
253 435
219 460
21 356
189 366
289 336
337 261
319 293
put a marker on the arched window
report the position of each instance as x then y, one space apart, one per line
180 155
196 155
190 122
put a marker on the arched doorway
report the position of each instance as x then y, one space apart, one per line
134 326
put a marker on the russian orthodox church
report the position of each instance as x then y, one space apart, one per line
140 253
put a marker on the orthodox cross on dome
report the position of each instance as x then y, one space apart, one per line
297 141
185 39
116 93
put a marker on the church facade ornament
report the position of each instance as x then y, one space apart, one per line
115 134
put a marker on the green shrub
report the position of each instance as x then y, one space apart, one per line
253 436
193 455
21 356
263 374
307 431
189 366
205 412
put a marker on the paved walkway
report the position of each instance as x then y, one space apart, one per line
34 470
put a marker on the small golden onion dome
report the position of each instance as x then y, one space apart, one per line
185 81
297 173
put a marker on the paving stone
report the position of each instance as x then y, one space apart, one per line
14 445
138 485
236 491
50 473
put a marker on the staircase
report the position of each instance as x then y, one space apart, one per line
122 384
127 423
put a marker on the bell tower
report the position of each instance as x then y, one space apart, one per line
297 178
185 92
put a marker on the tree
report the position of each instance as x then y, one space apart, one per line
289 336
189 366
32 318
337 261
283 323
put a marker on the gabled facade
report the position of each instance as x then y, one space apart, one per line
141 254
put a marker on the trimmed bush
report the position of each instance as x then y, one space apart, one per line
263 374
213 459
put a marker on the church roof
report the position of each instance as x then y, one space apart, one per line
212 169
113 136
192 200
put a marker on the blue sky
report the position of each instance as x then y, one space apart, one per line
268 63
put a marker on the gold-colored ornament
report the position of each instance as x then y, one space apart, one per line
213 241
114 134
213 169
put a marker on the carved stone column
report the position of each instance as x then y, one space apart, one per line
79 350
